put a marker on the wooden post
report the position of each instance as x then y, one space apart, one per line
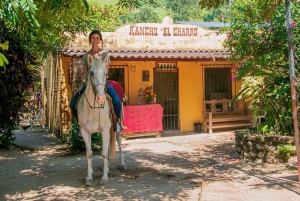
293 78
210 122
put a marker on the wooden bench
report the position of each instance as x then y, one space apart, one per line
221 114
227 122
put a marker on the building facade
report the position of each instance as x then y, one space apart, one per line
185 64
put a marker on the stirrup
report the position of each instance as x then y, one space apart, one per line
119 128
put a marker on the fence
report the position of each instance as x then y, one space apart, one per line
57 116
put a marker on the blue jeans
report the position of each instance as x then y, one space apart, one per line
115 99
111 92
74 99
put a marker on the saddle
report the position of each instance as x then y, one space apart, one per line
112 116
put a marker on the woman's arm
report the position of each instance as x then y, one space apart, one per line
84 78
85 66
84 73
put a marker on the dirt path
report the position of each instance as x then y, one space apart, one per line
174 167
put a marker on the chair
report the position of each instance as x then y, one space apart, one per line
37 118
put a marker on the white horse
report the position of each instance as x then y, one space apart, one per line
94 116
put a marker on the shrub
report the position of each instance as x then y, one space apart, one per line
76 143
285 151
15 79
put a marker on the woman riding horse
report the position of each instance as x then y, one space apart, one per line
94 111
95 37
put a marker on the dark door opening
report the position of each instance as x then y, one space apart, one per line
166 89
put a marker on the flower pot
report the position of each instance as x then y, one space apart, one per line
150 101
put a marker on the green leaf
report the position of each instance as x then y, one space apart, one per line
86 5
262 73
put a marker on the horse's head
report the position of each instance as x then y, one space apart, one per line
98 76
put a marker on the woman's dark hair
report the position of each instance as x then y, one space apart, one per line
95 32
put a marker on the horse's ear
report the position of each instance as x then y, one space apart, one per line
104 56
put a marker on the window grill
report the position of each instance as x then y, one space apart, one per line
116 73
217 80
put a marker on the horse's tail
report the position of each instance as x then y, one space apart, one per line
112 144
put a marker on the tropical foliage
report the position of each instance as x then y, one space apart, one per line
261 49
178 10
213 3
145 14
15 77
269 5
105 17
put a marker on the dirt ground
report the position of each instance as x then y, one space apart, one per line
174 167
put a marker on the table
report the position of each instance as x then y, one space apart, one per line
143 118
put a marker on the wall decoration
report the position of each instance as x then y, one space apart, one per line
145 75
166 67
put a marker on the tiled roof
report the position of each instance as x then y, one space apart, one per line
155 54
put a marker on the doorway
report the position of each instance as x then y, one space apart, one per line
165 86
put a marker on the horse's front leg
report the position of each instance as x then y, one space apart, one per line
119 140
89 153
105 154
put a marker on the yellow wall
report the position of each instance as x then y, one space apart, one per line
133 77
190 95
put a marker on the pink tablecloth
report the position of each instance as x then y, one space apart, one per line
143 118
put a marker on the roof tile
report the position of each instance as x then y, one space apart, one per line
154 54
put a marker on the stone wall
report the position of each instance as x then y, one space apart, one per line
261 147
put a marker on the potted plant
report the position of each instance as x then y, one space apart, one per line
150 95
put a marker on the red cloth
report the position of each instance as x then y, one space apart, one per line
143 118
119 89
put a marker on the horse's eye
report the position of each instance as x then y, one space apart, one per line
91 74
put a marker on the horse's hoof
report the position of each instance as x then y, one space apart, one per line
103 181
122 167
89 182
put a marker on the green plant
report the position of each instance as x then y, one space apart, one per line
259 46
76 142
286 150
27 34
15 79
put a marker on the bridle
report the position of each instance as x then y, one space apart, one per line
94 90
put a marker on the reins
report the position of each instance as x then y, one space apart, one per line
102 106
94 87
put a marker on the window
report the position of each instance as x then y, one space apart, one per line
217 82
116 73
